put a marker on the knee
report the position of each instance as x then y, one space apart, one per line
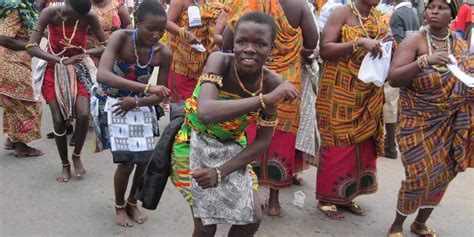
82 115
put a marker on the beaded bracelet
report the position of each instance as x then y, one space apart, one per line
219 176
147 88
31 45
264 106
211 78
62 59
267 121
422 62
355 44
136 102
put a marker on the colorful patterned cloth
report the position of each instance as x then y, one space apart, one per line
281 160
350 111
349 114
28 13
434 124
225 131
109 20
21 110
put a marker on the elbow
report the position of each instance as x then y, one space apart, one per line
101 77
203 115
394 83
324 55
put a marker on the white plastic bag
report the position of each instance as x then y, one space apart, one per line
299 197
194 16
466 79
376 70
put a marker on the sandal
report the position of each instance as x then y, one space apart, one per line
331 211
424 232
354 208
298 180
31 152
395 234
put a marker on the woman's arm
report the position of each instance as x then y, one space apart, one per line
404 66
174 11
98 33
309 30
125 21
211 110
219 28
228 39
35 38
331 46
12 44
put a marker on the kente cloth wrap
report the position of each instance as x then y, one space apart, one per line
21 109
109 20
230 131
27 12
434 124
187 61
348 110
99 115
285 58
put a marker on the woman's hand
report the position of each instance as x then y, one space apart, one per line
373 46
124 105
74 59
205 177
160 91
438 58
284 92
192 39
388 37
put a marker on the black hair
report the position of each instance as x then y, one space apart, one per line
82 7
259 18
453 5
150 7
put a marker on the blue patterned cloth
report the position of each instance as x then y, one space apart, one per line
26 8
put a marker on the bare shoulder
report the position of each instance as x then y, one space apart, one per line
413 41
218 63
271 79
163 55
48 13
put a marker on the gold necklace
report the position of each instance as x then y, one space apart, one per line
361 18
242 86
447 40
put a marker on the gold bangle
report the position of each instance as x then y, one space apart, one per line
147 88
264 106
355 44
211 78
219 176
62 59
269 123
31 45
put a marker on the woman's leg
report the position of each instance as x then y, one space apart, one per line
132 208
419 225
59 127
122 173
82 124
397 225
201 230
249 229
273 208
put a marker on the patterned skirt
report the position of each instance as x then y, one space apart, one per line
345 172
231 202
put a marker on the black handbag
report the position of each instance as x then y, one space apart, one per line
158 169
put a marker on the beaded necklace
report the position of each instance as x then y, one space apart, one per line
446 39
66 41
150 58
242 86
361 19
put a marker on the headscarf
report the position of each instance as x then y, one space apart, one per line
26 8
453 4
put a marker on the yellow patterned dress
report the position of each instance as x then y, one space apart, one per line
349 114
21 107
435 122
187 62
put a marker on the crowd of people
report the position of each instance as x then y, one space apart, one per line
266 91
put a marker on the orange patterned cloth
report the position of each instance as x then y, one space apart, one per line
186 60
109 20
435 122
348 110
21 112
285 58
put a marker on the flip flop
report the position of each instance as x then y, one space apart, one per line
395 234
32 152
354 208
331 211
425 232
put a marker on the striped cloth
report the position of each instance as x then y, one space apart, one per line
348 110
435 120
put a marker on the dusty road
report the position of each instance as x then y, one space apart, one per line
33 203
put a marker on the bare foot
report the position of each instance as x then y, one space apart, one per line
78 167
273 208
135 214
121 217
65 174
